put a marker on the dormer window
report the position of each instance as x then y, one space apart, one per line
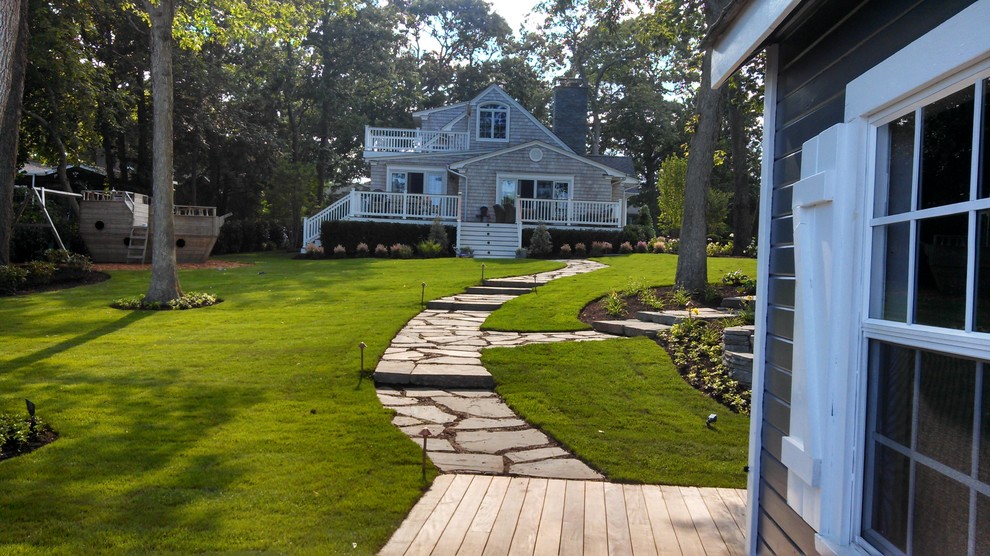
493 122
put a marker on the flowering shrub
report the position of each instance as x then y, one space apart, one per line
615 305
580 250
190 300
743 283
381 251
565 251
716 249
39 272
642 247
339 252
400 251
17 434
599 248
361 250
625 248
313 251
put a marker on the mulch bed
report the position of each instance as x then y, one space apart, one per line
63 279
42 438
211 263
596 309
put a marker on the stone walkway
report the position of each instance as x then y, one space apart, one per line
432 376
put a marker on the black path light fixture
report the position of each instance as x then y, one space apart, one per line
425 433
362 345
422 297
482 274
711 420
30 408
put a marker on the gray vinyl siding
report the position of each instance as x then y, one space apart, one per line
820 49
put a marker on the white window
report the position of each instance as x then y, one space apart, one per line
926 487
493 122
417 182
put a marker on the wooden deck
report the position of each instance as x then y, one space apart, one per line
485 515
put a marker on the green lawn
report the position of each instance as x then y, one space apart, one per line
556 306
621 407
240 427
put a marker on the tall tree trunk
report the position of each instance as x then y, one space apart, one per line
164 285
13 64
144 155
692 261
742 220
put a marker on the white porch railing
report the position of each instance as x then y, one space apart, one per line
391 140
377 205
570 213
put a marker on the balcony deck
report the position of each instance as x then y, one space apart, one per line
379 141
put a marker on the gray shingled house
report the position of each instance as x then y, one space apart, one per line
871 393
490 167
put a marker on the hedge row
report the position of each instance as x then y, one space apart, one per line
560 237
252 234
350 233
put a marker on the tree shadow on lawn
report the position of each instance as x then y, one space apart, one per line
139 465
76 341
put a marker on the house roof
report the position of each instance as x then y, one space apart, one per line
609 170
741 30
623 164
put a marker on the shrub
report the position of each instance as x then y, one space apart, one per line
635 232
673 245
642 247
565 251
349 232
743 283
381 251
189 300
696 349
39 273
540 244
646 221
429 249
600 248
659 246
580 250
680 297
69 260
339 252
560 236
438 235
313 251
625 248
465 251
400 251
716 249
18 433
361 250
521 253
614 304
11 278
648 297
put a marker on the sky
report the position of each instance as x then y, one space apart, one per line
515 11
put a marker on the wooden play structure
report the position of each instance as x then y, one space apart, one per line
116 228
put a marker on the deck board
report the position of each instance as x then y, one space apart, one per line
472 515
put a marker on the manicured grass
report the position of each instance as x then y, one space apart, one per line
621 407
557 305
240 427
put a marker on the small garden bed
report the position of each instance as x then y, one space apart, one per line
19 436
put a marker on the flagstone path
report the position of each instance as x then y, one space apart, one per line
432 377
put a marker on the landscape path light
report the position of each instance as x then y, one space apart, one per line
362 345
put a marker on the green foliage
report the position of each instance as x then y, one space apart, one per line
561 236
637 422
635 233
743 283
670 186
540 244
39 272
680 297
12 278
429 249
69 260
645 218
348 232
615 305
626 248
716 249
600 248
400 251
252 235
696 348
17 433
189 300
438 235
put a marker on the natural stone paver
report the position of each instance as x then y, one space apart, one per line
439 384
556 469
478 423
537 454
425 413
471 463
476 407
491 442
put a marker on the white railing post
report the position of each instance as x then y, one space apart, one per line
352 208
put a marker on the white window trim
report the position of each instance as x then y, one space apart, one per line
541 177
938 61
389 170
477 122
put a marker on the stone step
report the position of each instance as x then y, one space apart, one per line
493 290
629 327
469 302
739 302
438 376
680 315
514 283
740 366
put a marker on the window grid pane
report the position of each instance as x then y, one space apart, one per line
947 150
940 275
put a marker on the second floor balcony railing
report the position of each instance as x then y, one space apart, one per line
391 140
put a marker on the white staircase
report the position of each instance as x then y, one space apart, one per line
489 240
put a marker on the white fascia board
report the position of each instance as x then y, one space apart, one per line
751 27
960 41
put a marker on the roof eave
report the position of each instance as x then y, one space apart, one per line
742 32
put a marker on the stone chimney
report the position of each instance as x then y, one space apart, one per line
570 113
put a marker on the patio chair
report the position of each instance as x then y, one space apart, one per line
499 212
